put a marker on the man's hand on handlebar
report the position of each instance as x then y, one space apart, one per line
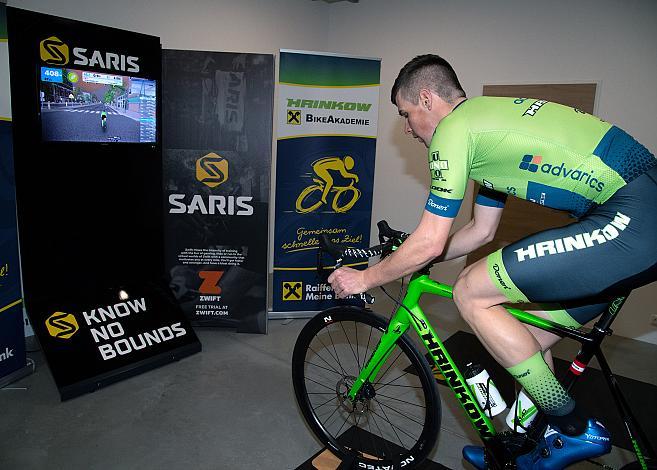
347 281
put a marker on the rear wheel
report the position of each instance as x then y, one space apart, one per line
394 421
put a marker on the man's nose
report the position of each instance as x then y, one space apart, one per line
407 127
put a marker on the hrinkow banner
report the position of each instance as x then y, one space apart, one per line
327 127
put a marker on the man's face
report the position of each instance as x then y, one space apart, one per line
418 120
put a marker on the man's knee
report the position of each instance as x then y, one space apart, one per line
468 298
463 295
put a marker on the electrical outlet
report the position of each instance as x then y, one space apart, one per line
653 319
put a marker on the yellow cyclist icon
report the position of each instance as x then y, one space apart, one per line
315 195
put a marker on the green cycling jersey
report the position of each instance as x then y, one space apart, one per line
541 151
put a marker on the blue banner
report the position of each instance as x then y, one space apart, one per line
327 124
12 336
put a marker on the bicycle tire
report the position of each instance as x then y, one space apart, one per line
364 442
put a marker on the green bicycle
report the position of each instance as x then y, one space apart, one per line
370 396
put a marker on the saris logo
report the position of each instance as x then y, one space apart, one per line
54 51
212 170
62 325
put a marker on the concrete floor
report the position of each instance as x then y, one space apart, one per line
229 407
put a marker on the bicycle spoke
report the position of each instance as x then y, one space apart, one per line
417 387
323 368
320 384
349 342
381 433
330 416
335 350
374 441
378 395
357 352
395 428
326 402
391 364
390 384
399 412
329 353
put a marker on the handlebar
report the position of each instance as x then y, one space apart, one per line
389 241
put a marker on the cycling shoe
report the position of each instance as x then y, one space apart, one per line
557 450
475 455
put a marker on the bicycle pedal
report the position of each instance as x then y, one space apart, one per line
514 445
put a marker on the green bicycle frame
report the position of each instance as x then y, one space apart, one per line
410 314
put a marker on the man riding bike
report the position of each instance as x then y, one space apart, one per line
103 119
552 155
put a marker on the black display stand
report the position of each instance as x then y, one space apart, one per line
90 211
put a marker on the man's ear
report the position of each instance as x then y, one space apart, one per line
426 99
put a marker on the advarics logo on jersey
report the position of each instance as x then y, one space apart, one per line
534 163
530 163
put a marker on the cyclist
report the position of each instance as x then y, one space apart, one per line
552 155
103 119
323 166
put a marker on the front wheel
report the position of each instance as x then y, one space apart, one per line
394 421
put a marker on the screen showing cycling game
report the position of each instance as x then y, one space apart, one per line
82 106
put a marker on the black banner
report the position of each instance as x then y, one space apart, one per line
86 118
217 119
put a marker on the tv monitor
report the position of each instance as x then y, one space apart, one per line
84 106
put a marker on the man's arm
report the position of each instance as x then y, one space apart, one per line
425 243
475 234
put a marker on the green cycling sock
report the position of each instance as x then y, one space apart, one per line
541 384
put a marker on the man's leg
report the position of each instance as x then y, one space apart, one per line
511 343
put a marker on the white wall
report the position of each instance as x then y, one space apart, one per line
214 25
514 41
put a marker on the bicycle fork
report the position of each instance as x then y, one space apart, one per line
398 325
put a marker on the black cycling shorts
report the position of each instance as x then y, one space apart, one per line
585 265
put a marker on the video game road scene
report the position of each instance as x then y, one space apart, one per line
78 105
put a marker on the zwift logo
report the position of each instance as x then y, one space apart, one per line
53 51
534 163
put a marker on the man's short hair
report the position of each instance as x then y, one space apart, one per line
427 71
